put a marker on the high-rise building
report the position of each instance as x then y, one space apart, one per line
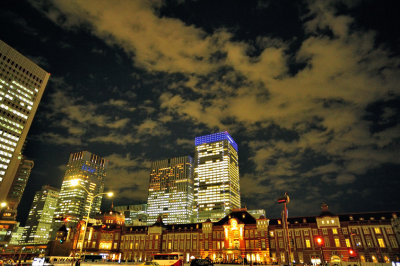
135 215
257 213
21 178
22 84
216 176
40 218
171 190
16 237
89 170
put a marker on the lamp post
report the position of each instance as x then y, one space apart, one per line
74 183
20 253
320 243
3 205
285 200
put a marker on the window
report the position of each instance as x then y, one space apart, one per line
297 233
358 241
377 230
337 242
298 242
393 242
324 231
348 243
262 244
326 242
306 233
389 230
334 231
271 233
280 244
308 243
381 242
369 242
279 233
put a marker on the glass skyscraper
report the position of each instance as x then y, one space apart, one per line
22 84
134 214
18 186
39 224
171 190
216 176
90 170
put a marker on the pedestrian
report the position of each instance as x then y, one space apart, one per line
78 262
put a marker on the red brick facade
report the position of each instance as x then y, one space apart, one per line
239 235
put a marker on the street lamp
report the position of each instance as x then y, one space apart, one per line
3 204
285 200
320 242
74 183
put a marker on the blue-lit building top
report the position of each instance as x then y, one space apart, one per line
216 137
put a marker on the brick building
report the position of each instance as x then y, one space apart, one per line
347 237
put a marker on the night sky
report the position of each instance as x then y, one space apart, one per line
308 89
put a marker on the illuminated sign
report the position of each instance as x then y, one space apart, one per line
216 137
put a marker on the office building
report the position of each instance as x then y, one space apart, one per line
39 224
16 237
257 213
89 170
134 214
171 190
22 84
216 176
21 178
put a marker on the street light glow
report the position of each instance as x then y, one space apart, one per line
110 194
3 204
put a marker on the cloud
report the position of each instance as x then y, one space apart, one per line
152 128
320 107
343 179
129 176
161 44
59 139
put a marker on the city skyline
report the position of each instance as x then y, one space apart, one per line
308 90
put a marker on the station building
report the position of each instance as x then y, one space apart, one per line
239 237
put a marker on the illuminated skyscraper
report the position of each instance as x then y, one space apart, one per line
19 183
22 84
216 176
39 224
134 214
90 170
171 190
